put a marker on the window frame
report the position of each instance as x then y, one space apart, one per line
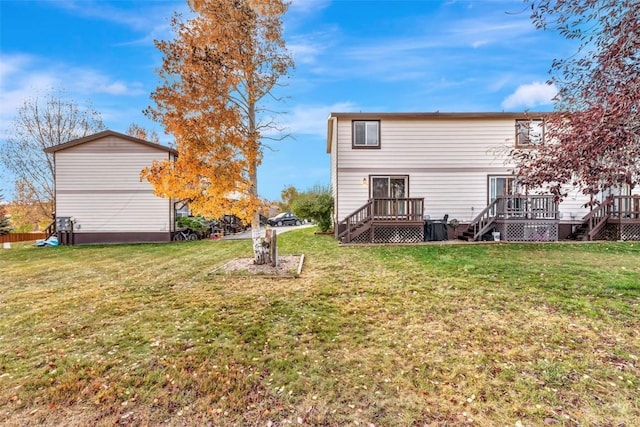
514 185
522 122
405 178
365 146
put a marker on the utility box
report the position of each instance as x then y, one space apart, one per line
64 223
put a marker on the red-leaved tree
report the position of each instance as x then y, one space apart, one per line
592 141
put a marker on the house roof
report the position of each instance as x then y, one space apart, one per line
104 134
438 115
424 116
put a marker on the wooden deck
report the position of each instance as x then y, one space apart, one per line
384 220
516 218
617 218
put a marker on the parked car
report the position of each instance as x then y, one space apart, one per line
284 218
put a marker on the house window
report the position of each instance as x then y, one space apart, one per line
529 133
182 209
366 134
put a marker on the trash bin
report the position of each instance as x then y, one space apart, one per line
435 230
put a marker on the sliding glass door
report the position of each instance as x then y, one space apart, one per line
387 189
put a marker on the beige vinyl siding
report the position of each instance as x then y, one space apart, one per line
116 212
436 143
572 207
447 161
333 138
461 195
99 184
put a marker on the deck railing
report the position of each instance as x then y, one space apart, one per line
613 208
354 220
597 218
540 207
398 210
527 207
625 207
51 229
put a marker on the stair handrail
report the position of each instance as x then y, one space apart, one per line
597 218
50 230
360 216
481 223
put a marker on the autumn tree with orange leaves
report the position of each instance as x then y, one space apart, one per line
216 75
592 141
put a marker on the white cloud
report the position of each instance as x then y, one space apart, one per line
144 16
479 43
149 18
17 85
500 82
530 95
11 64
494 26
91 81
312 119
308 6
305 49
23 77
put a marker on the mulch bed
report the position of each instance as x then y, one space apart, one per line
288 266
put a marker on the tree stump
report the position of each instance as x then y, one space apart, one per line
265 248
273 248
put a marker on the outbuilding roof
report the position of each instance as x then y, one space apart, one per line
104 134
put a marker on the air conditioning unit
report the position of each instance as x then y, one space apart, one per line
64 223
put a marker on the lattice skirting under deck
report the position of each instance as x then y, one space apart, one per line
528 231
624 232
398 234
392 234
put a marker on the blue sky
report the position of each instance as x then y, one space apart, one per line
351 55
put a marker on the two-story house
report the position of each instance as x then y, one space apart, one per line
393 172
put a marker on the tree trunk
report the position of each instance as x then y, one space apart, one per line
273 246
261 248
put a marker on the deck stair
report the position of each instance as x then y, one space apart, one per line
616 218
357 223
593 222
50 230
580 232
481 224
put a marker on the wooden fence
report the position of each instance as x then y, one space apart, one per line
21 237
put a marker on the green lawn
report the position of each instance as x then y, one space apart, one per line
444 335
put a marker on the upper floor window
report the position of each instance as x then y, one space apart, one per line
366 134
529 133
